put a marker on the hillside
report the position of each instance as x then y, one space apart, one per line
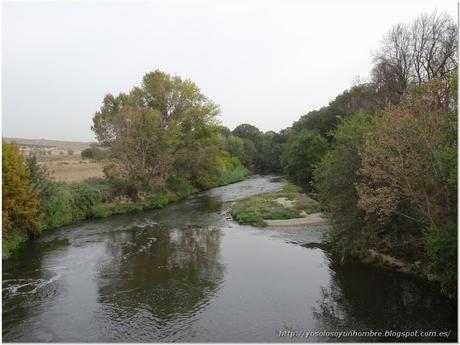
46 143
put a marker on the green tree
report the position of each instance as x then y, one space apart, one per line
166 127
38 173
300 155
95 152
247 131
362 97
20 211
270 152
336 175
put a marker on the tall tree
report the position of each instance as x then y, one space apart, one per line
362 97
247 131
166 127
409 162
414 54
300 155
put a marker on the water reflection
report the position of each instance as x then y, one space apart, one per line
361 297
185 273
159 280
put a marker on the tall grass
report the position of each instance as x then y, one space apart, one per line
66 203
231 175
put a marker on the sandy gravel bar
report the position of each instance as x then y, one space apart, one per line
310 219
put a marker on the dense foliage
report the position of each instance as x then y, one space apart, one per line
19 202
94 152
300 154
164 128
361 97
381 157
336 176
162 142
390 178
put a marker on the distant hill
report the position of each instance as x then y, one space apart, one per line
45 143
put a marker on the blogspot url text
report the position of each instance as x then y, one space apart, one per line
364 334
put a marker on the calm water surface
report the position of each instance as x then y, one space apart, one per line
185 273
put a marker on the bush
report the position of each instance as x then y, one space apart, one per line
232 175
442 249
94 152
13 242
19 201
103 210
65 203
250 218
409 163
179 186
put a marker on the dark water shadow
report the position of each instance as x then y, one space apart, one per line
362 297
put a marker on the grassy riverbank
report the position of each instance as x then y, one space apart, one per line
288 203
68 203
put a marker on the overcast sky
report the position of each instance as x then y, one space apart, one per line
264 62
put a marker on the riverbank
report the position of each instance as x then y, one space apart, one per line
288 207
70 203
89 281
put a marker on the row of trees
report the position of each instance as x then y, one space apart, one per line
382 156
390 182
389 178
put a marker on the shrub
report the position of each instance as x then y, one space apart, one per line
250 218
14 240
441 245
232 175
409 163
20 202
65 203
94 152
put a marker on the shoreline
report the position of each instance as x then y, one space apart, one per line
309 219
259 211
108 209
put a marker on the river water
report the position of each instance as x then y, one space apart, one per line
186 273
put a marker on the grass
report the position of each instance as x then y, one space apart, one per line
66 203
257 209
232 175
62 165
13 242
179 190
74 170
103 210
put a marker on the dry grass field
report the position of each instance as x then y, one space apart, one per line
73 170
62 158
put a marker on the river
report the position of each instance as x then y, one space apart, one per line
186 273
